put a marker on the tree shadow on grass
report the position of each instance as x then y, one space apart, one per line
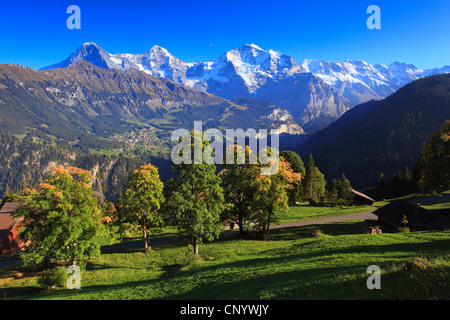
334 229
138 245
20 292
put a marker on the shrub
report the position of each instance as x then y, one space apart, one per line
317 233
55 277
128 230
405 223
373 230
417 264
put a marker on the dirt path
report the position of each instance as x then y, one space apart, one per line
365 215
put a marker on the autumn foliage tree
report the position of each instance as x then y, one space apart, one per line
271 196
141 201
61 219
297 166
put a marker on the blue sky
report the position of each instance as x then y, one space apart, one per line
34 33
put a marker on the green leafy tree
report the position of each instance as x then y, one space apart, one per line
196 197
314 182
345 194
141 201
435 159
295 161
61 219
238 182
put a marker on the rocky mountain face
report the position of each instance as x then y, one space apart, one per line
27 163
311 102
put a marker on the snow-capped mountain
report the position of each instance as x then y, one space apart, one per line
359 81
251 63
315 92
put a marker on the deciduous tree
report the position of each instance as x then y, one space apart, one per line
196 197
271 196
61 219
238 181
141 201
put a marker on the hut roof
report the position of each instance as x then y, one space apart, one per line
360 194
11 207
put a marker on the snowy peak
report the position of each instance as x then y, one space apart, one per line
89 51
256 66
359 81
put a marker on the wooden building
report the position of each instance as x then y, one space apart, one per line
9 239
360 199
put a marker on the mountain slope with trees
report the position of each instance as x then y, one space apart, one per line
387 137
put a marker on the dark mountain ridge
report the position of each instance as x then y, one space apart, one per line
382 136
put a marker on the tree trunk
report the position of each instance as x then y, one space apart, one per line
146 240
241 225
195 244
266 231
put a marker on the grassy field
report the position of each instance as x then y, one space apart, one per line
306 212
291 264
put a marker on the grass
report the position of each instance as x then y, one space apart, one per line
306 212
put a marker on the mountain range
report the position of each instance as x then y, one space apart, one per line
315 92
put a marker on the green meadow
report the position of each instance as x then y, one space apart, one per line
323 261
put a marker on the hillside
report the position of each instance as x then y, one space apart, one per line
382 136
84 99
27 163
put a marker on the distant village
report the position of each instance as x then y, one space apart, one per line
144 138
